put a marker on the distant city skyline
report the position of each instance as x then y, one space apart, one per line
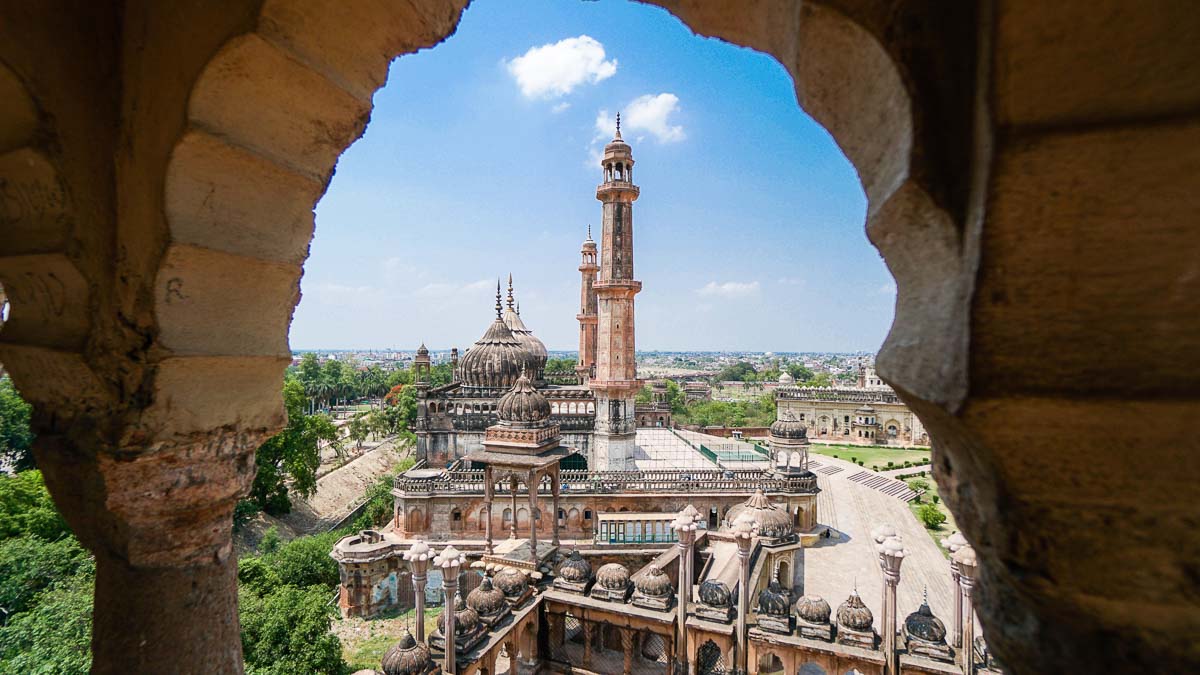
480 160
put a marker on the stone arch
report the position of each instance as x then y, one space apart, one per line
416 521
769 663
320 65
811 668
710 660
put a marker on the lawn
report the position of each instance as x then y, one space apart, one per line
931 490
871 455
364 641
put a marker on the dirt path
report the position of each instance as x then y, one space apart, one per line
340 491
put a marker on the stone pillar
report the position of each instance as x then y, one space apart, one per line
418 556
554 490
953 543
450 561
512 492
587 644
967 568
627 648
744 531
533 512
488 494
685 528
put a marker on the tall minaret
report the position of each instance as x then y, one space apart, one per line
615 383
587 309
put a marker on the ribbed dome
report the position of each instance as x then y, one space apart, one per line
853 614
575 569
538 355
786 379
714 593
523 403
654 583
613 576
486 598
773 600
465 618
407 657
495 360
813 609
511 581
773 522
923 625
422 350
789 429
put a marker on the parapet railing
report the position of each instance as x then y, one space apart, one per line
832 394
603 482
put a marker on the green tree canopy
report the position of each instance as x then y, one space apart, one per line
26 508
287 632
54 636
737 371
16 434
292 454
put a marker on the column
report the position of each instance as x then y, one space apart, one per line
554 490
744 531
512 524
488 494
953 543
627 647
968 636
533 512
450 584
891 555
685 528
587 643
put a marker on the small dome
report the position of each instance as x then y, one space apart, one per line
523 403
422 350
613 576
773 600
923 625
789 429
465 618
511 581
407 657
854 615
654 582
575 569
813 609
714 593
773 522
486 598
786 379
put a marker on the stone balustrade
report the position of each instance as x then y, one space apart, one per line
470 481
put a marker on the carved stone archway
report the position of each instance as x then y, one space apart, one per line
168 157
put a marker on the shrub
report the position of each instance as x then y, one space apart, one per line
931 515
270 540
918 484
935 499
890 464
288 632
874 467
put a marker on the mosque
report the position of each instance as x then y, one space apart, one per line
560 538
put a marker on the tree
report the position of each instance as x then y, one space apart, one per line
16 434
820 380
29 565
931 515
799 372
55 636
292 454
735 372
644 395
26 508
287 632
359 429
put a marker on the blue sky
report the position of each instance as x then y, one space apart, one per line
479 160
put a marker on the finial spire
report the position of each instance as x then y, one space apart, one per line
618 125
510 293
589 230
498 306
518 309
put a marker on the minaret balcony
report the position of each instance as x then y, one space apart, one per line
617 187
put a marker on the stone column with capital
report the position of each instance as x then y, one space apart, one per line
685 528
512 493
533 512
555 486
418 556
891 555
488 493
744 531
953 543
967 569
450 561
627 648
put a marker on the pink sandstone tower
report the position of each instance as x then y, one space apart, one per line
615 381
587 310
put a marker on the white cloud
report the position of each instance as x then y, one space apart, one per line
651 113
560 107
554 70
729 289
791 281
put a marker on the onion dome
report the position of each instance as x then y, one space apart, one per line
613 576
465 618
714 593
496 359
773 522
618 144
813 609
486 599
407 657
422 350
786 380
654 582
854 615
790 429
773 600
536 350
575 569
923 625
511 581
523 403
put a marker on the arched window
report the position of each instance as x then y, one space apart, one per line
769 664
811 669
456 520
506 518
709 660
483 519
